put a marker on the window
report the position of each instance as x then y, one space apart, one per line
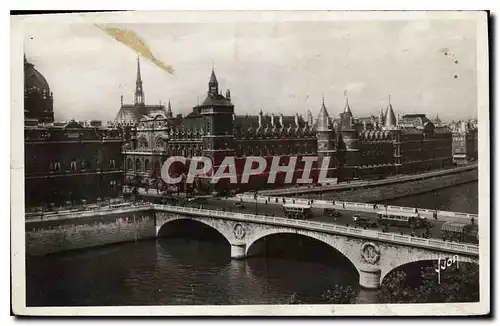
130 164
147 165
72 166
138 165
112 164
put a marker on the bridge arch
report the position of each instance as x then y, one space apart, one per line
347 249
208 224
408 255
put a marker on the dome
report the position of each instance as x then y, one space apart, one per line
38 101
33 78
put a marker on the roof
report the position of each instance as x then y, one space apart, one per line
323 123
304 206
216 100
33 78
213 78
390 117
453 227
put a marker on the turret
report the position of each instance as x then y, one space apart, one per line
390 117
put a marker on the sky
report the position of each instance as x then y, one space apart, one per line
284 67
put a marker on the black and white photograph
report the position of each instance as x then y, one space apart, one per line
250 163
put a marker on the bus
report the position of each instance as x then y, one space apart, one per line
405 219
297 211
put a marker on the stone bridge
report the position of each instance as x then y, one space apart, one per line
374 254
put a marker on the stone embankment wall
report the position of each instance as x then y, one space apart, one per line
387 192
46 237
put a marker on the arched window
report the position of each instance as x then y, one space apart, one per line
147 165
130 165
143 143
138 164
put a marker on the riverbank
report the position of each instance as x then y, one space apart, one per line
86 230
397 190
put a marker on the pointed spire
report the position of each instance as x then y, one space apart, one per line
390 117
139 93
347 109
323 118
139 80
169 110
213 85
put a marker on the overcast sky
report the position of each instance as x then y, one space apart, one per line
285 67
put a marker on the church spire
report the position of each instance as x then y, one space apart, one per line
169 110
139 92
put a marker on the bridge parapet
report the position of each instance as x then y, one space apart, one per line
352 206
101 211
433 244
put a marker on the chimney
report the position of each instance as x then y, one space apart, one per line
272 119
228 94
281 120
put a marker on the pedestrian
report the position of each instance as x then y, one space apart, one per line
293 200
266 201
472 220
276 200
343 205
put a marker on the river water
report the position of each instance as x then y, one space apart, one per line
184 271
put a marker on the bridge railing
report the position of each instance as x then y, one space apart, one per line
353 206
328 227
97 211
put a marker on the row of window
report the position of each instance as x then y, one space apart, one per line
73 165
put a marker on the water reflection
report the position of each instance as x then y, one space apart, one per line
174 272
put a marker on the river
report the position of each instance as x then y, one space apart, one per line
183 271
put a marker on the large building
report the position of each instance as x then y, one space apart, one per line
356 147
66 162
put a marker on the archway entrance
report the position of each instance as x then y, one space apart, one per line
311 270
193 242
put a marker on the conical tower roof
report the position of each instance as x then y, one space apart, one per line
323 119
213 78
347 108
390 117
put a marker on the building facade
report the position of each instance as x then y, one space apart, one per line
67 162
465 142
373 147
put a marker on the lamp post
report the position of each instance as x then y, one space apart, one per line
255 197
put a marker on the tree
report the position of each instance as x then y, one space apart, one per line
294 299
457 284
340 294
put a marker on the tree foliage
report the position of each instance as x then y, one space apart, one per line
340 294
457 284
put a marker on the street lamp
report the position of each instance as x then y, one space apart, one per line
255 197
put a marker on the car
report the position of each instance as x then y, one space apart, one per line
331 212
